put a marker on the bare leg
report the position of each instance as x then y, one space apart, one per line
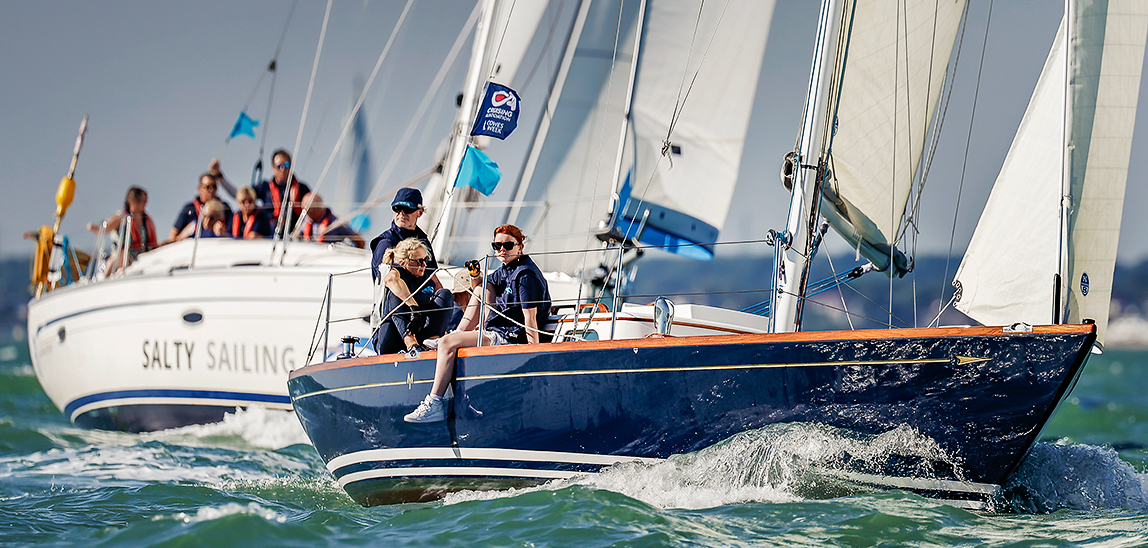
447 352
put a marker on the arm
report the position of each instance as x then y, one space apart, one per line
394 282
220 179
113 223
531 321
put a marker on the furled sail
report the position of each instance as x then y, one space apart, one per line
895 65
1009 270
682 182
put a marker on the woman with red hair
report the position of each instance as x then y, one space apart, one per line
519 302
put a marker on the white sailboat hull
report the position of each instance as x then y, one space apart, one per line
164 345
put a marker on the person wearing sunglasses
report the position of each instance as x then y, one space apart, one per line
249 222
519 301
271 191
413 310
189 214
407 207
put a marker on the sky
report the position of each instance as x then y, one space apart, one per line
163 82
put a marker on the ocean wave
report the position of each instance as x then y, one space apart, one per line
254 427
1077 477
209 513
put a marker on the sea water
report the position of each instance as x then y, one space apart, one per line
253 480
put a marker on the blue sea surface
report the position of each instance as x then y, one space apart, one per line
253 480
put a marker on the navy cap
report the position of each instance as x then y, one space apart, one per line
408 197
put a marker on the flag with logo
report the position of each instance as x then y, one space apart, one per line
498 115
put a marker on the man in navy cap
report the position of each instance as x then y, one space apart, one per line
408 207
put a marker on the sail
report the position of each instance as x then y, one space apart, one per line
566 183
894 69
355 176
1009 270
682 182
681 198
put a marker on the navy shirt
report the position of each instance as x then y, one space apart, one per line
392 236
517 285
258 223
272 198
190 213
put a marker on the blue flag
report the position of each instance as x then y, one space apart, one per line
498 115
478 171
243 126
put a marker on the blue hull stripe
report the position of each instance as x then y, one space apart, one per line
205 395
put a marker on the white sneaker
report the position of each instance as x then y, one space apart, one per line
431 343
430 410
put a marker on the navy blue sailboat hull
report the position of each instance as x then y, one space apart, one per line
526 414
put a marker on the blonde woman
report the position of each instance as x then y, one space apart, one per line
414 309
250 221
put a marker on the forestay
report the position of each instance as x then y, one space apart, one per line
1013 259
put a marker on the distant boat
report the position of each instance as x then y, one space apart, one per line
526 414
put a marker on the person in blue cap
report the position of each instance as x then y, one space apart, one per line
408 207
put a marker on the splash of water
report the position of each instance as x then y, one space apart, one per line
775 464
1078 477
254 427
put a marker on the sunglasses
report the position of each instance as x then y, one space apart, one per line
403 209
422 261
284 165
209 187
503 245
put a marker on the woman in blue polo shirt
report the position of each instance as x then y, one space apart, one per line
520 305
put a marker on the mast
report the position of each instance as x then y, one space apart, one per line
792 262
460 138
626 112
1060 283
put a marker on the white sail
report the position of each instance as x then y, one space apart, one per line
567 183
1009 269
704 62
897 56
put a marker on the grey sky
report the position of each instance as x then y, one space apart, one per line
163 82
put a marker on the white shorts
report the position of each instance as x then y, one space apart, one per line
496 338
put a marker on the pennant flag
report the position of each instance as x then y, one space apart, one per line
478 171
360 222
243 126
498 115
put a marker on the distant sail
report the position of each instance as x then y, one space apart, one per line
895 67
687 183
1008 271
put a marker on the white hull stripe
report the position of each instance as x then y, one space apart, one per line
204 402
477 453
450 471
923 484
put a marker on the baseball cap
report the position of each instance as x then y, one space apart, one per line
408 197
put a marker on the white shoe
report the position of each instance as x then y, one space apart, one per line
430 410
431 343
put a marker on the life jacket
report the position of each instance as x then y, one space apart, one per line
248 226
143 240
506 280
309 226
277 197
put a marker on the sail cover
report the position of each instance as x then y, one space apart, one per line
682 182
894 69
1009 269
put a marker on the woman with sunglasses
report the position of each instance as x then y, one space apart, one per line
411 306
519 302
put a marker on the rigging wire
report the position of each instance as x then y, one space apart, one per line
965 160
354 111
279 226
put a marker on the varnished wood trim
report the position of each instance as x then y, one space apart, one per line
802 336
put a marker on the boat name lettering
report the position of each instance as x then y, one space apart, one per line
159 354
221 356
250 358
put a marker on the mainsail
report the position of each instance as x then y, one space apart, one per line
896 58
1052 222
